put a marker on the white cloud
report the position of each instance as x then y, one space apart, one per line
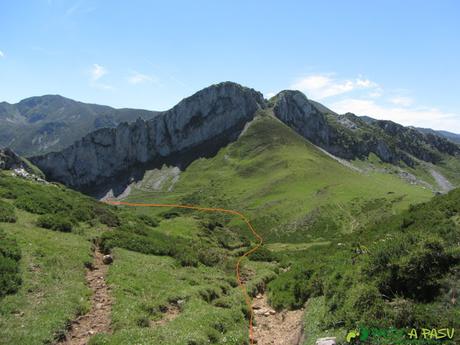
364 97
414 116
138 78
376 93
98 72
270 95
320 86
1 54
402 101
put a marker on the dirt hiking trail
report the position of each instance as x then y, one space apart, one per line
276 328
97 320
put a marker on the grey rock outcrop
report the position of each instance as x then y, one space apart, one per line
294 109
9 160
207 120
349 136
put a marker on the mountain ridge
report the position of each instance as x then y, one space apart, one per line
205 121
190 129
42 124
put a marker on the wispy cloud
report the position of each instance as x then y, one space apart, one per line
362 96
2 54
97 72
402 101
139 78
405 113
321 86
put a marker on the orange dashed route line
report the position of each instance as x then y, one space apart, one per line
238 262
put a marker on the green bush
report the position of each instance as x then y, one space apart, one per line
106 215
159 244
7 213
409 266
262 254
363 304
56 222
293 288
41 203
10 278
148 220
155 243
210 256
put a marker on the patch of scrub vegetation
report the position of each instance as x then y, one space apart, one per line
403 272
42 280
53 289
10 254
7 213
207 242
315 312
54 201
56 222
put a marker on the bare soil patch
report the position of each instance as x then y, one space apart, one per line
98 318
276 328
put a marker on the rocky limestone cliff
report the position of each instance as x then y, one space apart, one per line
334 133
9 160
205 121
349 136
294 109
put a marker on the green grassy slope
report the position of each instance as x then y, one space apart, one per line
51 266
173 278
183 262
286 186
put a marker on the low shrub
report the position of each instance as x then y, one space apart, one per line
56 222
159 244
7 213
262 254
10 254
41 203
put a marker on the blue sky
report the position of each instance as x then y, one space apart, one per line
397 60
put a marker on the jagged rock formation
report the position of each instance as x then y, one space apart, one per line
349 136
205 121
213 117
9 160
38 125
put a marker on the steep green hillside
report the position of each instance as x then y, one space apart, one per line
292 191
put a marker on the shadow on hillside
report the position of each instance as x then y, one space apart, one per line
118 184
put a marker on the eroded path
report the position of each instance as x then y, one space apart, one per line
98 318
273 328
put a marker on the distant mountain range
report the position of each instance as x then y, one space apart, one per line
448 135
48 123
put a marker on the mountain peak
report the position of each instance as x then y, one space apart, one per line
197 126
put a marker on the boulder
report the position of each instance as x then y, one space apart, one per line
107 259
326 341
